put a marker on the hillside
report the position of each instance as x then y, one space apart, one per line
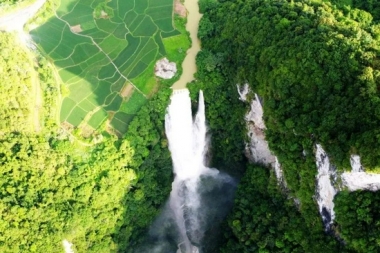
98 191
315 66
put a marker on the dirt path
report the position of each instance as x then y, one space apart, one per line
15 21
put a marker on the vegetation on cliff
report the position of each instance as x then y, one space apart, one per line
315 65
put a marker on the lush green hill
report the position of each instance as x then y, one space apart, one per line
315 65
97 190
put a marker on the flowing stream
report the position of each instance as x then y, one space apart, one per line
188 65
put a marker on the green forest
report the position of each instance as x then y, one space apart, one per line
316 66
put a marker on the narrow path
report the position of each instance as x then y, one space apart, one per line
15 21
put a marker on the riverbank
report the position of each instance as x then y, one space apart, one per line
188 65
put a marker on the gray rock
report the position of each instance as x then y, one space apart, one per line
165 69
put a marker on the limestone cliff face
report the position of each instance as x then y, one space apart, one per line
257 149
328 181
327 177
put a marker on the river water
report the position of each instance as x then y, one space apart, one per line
188 65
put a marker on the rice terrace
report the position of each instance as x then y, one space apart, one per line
105 52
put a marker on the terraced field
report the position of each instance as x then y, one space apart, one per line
105 53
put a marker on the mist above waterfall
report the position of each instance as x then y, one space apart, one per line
201 197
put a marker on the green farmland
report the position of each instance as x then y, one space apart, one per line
105 52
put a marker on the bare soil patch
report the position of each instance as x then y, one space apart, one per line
109 128
103 14
127 91
179 8
67 126
86 130
76 29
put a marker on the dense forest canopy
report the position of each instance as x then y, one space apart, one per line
317 69
100 193
17 94
315 65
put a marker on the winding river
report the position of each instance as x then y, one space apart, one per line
188 65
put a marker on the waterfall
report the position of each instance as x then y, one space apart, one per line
201 196
187 139
187 143
257 149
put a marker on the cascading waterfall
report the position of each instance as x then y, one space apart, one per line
200 196
187 139
187 143
329 181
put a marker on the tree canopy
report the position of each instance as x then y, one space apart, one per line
315 66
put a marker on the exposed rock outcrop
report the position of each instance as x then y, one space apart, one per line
257 149
325 190
358 179
165 69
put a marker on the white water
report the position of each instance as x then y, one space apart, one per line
187 139
16 20
201 197
187 144
361 181
356 165
243 91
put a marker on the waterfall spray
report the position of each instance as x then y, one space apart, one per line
187 144
201 197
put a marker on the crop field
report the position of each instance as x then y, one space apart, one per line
105 52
